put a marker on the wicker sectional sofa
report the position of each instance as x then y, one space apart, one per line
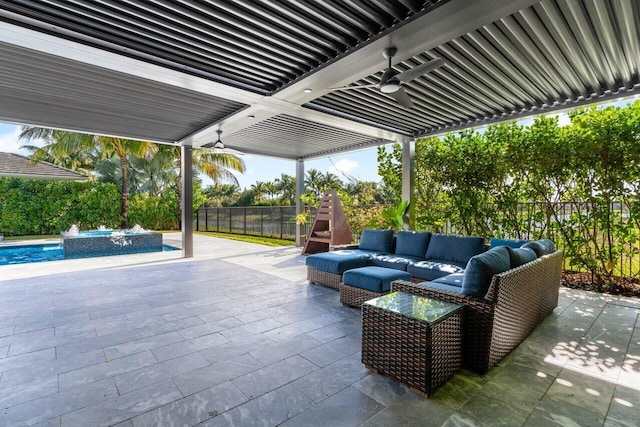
507 290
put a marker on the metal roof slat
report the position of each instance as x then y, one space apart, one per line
544 41
554 21
629 25
174 33
502 68
235 37
582 29
490 76
538 61
602 17
239 19
365 8
312 10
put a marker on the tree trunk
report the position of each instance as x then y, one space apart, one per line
124 199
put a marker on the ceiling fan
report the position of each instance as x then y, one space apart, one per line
219 147
391 81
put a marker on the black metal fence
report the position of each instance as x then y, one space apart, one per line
277 222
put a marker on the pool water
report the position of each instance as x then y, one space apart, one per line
24 254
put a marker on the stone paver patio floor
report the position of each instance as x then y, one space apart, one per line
237 337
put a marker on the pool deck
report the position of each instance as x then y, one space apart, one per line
236 337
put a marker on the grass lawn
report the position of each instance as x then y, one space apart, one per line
246 238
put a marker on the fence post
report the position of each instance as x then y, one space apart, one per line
245 220
281 221
261 222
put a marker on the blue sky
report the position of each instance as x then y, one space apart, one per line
359 164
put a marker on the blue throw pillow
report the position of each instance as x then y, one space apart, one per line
449 247
481 269
520 256
412 243
512 243
540 247
376 240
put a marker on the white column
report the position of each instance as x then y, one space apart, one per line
187 201
299 191
409 182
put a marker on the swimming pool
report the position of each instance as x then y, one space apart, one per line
23 254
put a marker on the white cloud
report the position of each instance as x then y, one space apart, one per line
9 142
344 167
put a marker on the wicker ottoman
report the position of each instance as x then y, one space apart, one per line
417 340
362 284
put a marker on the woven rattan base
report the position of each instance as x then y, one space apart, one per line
420 354
355 297
330 280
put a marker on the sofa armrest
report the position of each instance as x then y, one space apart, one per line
455 297
342 247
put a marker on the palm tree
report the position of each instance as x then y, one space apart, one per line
217 166
61 143
286 185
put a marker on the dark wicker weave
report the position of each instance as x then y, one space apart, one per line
420 354
318 277
354 297
516 302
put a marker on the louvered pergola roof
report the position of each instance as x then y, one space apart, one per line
176 71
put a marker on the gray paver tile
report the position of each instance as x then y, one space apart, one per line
106 369
583 390
554 412
189 346
509 382
120 408
625 406
284 349
193 409
57 404
267 410
210 327
30 359
333 351
214 374
160 371
411 411
331 379
143 344
349 407
24 392
270 377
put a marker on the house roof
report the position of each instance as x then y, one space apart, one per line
175 72
17 166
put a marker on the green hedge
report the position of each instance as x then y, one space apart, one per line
48 207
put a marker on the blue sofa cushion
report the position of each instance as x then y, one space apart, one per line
481 269
396 262
541 247
520 256
412 243
449 247
512 243
454 279
440 286
376 279
432 269
338 262
376 240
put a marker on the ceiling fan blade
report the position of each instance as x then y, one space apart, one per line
403 99
415 72
333 89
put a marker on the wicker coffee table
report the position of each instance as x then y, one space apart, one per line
417 340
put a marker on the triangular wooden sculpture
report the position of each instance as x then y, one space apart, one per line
330 226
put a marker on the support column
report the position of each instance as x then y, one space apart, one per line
409 182
299 191
187 200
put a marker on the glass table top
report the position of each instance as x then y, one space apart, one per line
414 306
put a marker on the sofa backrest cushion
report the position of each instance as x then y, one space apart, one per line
541 247
520 256
512 243
376 240
449 247
412 243
481 269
